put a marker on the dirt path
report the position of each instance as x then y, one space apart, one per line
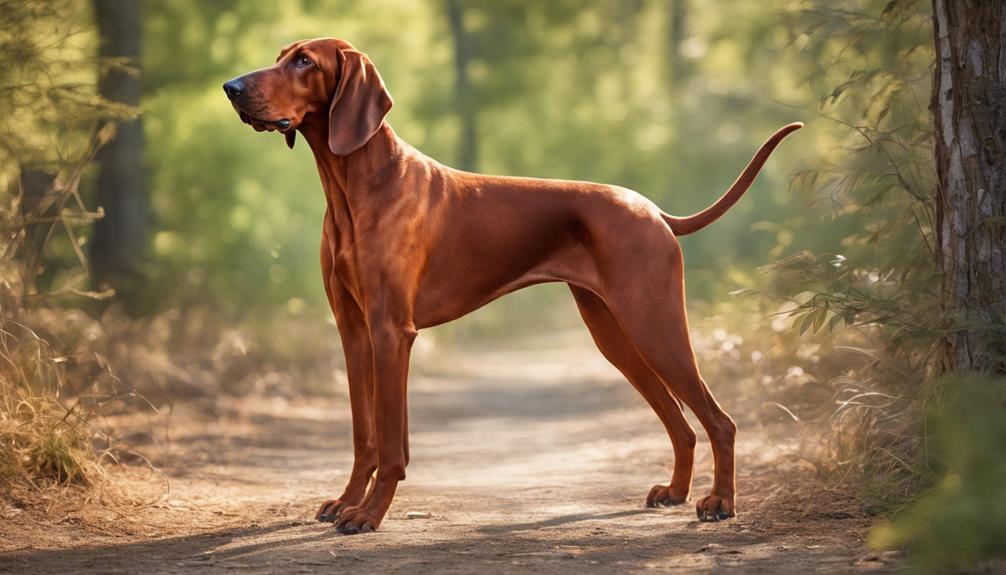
528 461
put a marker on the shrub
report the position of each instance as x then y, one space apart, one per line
960 521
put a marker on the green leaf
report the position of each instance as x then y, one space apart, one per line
836 320
819 317
806 321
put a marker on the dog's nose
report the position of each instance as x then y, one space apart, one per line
234 88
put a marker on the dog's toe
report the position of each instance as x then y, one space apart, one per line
353 520
330 510
348 529
715 508
665 496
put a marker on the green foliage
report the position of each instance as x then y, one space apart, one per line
47 76
961 521
875 57
870 61
54 122
829 292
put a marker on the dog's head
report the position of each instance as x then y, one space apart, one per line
315 79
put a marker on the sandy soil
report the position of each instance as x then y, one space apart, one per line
521 461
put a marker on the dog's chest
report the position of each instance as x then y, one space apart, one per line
341 245
338 233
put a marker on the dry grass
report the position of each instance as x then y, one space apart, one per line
874 441
41 438
857 406
66 372
45 393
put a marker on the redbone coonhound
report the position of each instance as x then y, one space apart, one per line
408 243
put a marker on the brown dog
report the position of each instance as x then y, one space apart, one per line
409 243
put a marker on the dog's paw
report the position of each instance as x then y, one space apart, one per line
330 510
355 520
715 508
665 496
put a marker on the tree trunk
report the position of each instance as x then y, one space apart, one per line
677 17
676 75
969 103
35 185
468 142
120 238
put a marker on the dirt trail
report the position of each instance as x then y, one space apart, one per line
527 461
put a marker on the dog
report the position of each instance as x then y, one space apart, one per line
409 243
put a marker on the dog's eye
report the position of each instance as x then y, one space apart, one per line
304 62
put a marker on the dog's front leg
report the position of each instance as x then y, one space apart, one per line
391 342
360 372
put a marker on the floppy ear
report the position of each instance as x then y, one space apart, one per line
359 106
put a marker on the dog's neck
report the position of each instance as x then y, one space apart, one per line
366 164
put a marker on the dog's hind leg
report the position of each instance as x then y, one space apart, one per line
646 294
618 349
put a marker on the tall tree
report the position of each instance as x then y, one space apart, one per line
969 89
120 238
677 16
468 142
676 74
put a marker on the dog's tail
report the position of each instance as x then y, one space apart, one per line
695 222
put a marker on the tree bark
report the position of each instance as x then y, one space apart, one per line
969 103
120 238
468 141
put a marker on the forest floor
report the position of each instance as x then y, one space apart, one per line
522 460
